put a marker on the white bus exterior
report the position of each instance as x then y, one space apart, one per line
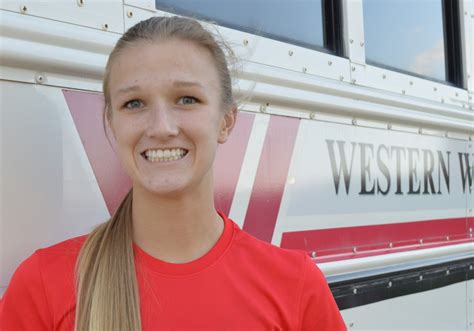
367 168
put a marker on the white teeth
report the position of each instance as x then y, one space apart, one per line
165 155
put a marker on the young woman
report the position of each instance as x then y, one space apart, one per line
167 260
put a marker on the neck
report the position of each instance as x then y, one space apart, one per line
178 229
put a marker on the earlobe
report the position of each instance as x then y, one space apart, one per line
227 124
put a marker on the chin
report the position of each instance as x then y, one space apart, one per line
165 189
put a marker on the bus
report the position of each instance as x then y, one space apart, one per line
353 141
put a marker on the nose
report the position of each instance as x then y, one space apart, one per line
162 123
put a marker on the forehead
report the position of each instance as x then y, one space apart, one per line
163 62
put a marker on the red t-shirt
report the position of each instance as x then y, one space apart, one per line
242 283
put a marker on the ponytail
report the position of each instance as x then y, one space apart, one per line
107 290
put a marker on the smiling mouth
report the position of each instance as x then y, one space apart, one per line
164 155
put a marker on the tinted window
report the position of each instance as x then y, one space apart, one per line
297 22
406 35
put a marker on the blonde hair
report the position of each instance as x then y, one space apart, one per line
107 289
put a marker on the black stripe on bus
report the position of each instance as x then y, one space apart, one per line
351 293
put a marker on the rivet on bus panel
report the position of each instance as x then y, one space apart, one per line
354 291
290 53
40 79
447 238
354 250
354 122
390 245
420 131
447 272
353 81
130 13
442 100
361 44
411 83
389 126
390 284
246 42
384 76
314 254
446 134
435 89
341 78
312 115
23 9
403 92
105 26
421 241
351 41
457 94
353 68
470 267
351 324
80 3
263 109
329 63
305 69
421 277
470 229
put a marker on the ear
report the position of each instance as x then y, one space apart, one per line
227 124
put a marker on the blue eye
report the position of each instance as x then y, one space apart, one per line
187 100
133 104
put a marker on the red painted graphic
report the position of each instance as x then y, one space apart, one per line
264 205
228 162
270 180
361 241
86 109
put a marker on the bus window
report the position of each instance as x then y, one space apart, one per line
296 22
413 37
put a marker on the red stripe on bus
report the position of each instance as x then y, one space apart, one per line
86 110
368 240
228 162
271 177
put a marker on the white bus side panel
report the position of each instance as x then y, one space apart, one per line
49 191
417 311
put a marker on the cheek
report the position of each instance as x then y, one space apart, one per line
124 134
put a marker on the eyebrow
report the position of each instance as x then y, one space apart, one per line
179 83
128 89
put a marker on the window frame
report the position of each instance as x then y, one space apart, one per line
452 49
453 44
402 83
331 27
